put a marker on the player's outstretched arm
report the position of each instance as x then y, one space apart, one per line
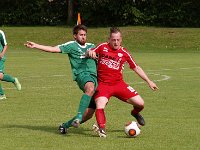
143 75
51 49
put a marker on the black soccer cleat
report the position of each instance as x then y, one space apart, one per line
62 129
139 118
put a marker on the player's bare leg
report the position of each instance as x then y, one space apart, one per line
138 106
8 78
100 116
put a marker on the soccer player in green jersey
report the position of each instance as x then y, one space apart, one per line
3 76
83 69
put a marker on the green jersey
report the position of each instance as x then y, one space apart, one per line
79 63
3 42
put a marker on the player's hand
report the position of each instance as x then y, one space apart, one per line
92 54
152 85
30 44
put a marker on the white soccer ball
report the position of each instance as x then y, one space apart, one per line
131 129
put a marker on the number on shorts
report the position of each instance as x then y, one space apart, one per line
131 89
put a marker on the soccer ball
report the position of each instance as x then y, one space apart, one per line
131 129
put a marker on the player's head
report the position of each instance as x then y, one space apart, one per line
115 38
79 32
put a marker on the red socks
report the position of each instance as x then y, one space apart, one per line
101 118
136 110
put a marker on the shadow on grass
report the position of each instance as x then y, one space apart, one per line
50 129
54 130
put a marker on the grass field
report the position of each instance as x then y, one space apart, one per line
170 56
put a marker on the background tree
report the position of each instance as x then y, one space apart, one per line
179 13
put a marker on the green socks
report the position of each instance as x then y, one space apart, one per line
84 102
8 78
69 123
1 90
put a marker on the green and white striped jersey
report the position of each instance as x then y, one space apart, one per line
79 63
3 42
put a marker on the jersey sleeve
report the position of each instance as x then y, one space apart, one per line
65 48
130 60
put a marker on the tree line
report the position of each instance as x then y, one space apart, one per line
169 13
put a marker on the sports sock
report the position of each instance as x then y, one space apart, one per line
1 90
69 123
136 110
84 103
101 118
8 78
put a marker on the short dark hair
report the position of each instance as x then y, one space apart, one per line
114 30
78 28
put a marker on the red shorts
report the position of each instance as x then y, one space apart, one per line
120 90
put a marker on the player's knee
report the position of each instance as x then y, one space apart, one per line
90 91
101 104
140 104
137 102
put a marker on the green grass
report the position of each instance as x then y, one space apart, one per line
29 118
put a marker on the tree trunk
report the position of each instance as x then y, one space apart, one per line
70 12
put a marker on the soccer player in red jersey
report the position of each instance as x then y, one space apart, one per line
111 59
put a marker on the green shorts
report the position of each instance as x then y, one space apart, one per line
2 66
85 77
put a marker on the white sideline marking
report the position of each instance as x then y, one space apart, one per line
166 69
164 77
55 75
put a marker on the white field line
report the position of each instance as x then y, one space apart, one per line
168 69
164 77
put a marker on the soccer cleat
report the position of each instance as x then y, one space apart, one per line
76 123
101 132
62 129
95 128
2 97
139 118
17 84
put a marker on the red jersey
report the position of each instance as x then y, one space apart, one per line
111 62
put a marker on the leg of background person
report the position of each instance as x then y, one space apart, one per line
1 89
8 78
2 95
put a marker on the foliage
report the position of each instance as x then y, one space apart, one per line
141 12
28 12
179 13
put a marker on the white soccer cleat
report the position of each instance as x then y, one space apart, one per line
17 84
95 128
2 97
99 131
